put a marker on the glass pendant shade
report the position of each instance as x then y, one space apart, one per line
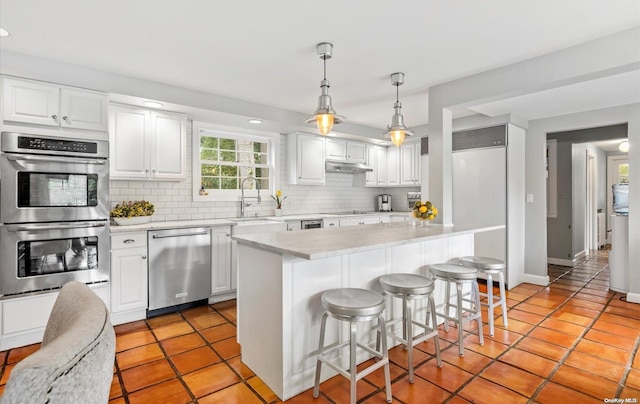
325 123
397 137
324 116
397 131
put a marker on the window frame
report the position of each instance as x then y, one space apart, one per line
273 155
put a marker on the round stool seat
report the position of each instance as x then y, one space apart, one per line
454 272
407 284
483 263
352 302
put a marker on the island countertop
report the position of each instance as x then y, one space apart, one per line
328 242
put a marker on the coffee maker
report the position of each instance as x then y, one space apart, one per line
384 203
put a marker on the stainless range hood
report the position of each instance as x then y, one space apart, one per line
346 168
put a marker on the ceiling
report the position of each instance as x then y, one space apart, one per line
263 51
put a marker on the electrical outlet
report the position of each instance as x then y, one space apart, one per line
529 198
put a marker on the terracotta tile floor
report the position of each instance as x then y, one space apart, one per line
574 341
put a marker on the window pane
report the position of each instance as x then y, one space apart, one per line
208 154
210 142
260 158
264 183
229 183
229 171
210 169
227 144
228 156
211 183
623 174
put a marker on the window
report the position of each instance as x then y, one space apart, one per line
222 160
623 174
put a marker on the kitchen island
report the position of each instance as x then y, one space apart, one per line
282 276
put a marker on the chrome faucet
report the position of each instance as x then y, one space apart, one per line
244 204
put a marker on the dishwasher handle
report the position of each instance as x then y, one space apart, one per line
202 233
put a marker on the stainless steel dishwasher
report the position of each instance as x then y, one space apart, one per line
179 267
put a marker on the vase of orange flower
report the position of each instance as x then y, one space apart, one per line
422 213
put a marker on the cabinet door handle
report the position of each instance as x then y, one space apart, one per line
146 170
55 117
129 241
144 257
332 224
66 118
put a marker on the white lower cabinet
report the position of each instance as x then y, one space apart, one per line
223 277
360 220
129 282
24 318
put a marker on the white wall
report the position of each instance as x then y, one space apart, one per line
602 57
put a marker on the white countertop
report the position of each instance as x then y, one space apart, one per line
328 242
173 224
230 221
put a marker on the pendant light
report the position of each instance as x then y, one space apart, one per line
325 116
397 131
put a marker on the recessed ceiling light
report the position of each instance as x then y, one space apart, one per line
4 32
255 121
153 104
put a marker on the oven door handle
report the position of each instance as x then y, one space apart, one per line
53 159
54 226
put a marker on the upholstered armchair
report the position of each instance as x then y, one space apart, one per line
75 361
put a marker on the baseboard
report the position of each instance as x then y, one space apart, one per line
559 261
633 297
222 297
542 280
580 255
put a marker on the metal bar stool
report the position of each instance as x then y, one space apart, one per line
490 267
410 287
459 275
353 305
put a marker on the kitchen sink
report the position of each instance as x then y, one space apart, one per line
256 225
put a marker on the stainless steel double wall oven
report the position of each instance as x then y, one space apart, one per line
54 212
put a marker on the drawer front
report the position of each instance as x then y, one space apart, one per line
128 240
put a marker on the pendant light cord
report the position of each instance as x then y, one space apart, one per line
397 93
324 61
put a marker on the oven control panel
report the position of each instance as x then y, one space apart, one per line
56 145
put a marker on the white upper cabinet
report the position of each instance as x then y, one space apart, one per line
377 160
305 159
410 163
36 103
147 144
345 150
393 165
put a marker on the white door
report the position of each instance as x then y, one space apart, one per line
372 161
81 109
393 166
168 143
381 166
128 279
223 275
31 102
356 152
129 143
336 149
310 159
617 173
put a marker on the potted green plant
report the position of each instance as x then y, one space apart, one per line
132 212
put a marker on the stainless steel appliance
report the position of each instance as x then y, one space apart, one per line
48 179
412 198
42 256
179 268
311 224
54 212
384 203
